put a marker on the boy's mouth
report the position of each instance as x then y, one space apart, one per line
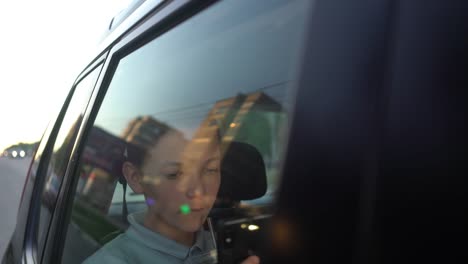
187 209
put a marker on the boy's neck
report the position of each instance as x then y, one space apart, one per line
158 225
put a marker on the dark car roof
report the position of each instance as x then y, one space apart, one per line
121 16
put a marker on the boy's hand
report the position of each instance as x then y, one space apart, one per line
251 260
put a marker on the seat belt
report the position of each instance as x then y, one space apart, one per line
124 205
123 181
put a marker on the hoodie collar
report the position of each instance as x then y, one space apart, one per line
156 241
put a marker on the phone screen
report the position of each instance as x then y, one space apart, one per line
240 238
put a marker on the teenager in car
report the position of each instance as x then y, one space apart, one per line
180 179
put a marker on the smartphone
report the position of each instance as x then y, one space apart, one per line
240 238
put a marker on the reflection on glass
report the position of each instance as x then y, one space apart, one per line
63 146
174 113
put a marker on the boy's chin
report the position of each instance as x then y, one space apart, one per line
193 225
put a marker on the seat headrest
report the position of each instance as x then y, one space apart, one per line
243 173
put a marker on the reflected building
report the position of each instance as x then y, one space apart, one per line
220 116
144 131
101 168
254 118
258 104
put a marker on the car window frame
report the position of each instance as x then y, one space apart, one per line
79 102
32 223
32 251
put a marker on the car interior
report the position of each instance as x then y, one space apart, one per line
237 224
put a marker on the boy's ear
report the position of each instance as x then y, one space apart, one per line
132 175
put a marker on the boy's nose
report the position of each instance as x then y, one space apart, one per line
194 186
195 190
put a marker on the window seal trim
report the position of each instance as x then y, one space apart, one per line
50 253
30 243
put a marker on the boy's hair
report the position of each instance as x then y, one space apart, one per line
136 153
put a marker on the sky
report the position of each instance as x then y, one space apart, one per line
44 45
159 65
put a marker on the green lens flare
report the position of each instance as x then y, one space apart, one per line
185 209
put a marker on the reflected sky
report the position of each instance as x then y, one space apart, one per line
210 57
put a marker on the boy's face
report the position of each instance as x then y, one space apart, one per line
180 180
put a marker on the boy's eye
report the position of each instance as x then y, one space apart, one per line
173 175
211 171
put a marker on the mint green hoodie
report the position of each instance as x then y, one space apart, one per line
141 245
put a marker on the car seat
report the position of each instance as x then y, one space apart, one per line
243 177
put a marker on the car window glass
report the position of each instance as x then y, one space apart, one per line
225 76
61 151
